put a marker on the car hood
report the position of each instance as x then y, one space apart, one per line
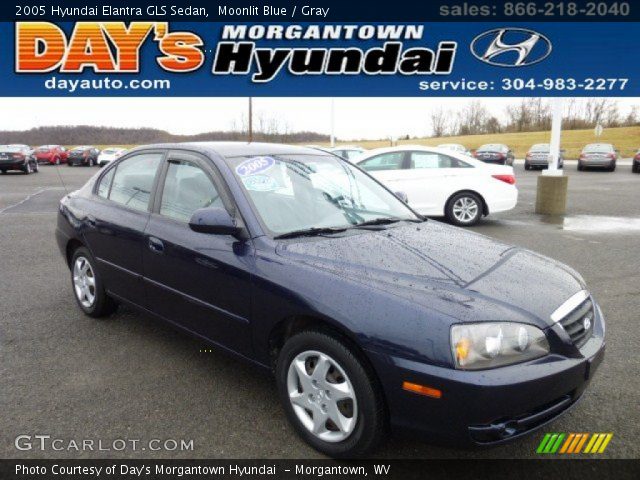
420 261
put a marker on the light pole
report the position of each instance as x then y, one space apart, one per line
333 123
250 122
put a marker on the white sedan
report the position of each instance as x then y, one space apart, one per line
439 182
108 155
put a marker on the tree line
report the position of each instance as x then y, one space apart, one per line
530 115
92 135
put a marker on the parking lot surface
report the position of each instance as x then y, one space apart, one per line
131 377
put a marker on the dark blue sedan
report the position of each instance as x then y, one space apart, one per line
369 315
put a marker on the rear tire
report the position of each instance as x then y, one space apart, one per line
36 168
88 289
361 413
27 168
464 209
635 168
612 168
580 167
527 166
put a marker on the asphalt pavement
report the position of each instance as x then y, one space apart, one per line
130 377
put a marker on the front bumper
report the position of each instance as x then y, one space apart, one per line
488 407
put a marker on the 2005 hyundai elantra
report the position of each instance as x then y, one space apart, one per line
369 315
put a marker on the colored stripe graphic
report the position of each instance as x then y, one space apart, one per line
573 443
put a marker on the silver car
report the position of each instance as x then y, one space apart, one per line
538 157
601 155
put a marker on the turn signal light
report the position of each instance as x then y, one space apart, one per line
510 179
422 390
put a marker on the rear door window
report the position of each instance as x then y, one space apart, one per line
133 180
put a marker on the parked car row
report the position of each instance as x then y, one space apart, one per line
26 159
593 155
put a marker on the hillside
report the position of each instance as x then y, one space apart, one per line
103 136
626 139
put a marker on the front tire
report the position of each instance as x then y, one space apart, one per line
329 395
464 209
635 168
580 167
27 168
87 286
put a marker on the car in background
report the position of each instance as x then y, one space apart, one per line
599 155
538 157
456 147
370 318
109 155
318 147
83 155
440 182
635 167
351 153
495 153
51 154
17 157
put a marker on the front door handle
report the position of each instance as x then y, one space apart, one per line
156 245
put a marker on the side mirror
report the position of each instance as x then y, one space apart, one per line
216 221
402 196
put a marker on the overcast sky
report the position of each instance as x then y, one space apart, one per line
356 118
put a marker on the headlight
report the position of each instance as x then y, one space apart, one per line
479 346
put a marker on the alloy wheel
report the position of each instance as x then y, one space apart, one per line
322 396
465 209
84 282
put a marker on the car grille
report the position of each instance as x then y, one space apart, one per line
579 323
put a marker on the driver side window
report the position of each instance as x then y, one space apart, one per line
186 189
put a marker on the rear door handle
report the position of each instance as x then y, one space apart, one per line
156 245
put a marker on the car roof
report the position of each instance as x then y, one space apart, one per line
236 149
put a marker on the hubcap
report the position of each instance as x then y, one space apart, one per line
465 209
84 282
322 396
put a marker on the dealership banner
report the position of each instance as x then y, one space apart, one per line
288 49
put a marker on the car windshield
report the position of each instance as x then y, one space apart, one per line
293 193
492 147
541 147
110 150
598 148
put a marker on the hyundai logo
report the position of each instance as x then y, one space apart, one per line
511 47
586 323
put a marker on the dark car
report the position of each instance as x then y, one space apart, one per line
17 157
83 155
599 155
635 167
495 153
538 157
51 154
368 314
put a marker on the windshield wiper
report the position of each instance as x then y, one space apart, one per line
309 232
378 221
